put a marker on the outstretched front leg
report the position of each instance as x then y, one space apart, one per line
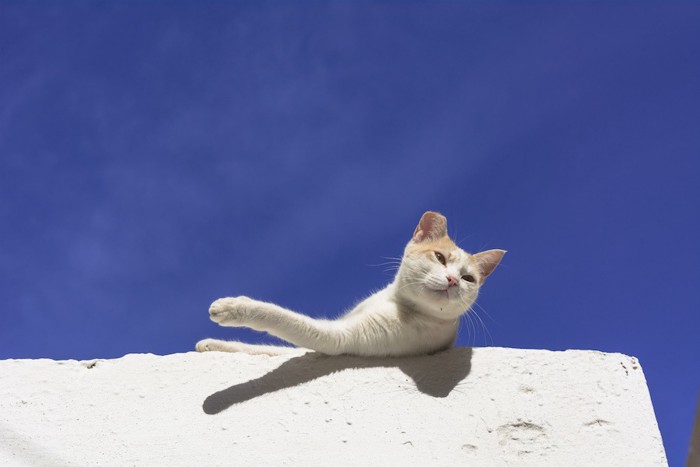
320 335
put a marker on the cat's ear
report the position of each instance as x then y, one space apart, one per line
432 226
487 261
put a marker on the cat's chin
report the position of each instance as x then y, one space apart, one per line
441 298
443 304
447 296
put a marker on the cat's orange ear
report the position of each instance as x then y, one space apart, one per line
487 261
432 226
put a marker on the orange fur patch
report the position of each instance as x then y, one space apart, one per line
445 245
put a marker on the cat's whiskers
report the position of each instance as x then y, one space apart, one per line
421 289
410 268
468 319
410 284
485 312
407 284
483 325
476 332
392 263
476 317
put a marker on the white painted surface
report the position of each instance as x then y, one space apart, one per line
489 406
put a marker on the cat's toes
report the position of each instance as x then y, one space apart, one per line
229 310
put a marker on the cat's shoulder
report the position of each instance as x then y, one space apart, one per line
380 302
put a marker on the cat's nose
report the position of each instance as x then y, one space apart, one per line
452 281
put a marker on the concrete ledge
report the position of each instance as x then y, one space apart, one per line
482 406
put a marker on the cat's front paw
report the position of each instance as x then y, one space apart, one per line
216 345
230 311
207 345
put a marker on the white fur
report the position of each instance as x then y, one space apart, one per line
418 313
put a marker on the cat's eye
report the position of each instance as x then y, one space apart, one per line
468 278
441 258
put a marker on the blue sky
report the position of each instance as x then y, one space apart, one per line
157 156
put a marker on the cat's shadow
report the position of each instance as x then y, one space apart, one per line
435 375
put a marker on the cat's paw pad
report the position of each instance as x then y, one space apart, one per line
229 310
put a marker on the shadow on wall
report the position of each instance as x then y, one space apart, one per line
21 447
435 375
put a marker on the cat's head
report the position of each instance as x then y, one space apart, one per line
437 276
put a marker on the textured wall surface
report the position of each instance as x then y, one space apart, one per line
482 406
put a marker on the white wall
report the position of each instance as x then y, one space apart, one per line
486 406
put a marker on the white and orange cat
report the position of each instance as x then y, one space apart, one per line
418 313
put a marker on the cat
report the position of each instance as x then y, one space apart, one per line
418 313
